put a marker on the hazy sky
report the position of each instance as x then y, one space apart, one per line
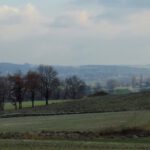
75 32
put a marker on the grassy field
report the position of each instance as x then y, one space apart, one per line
70 145
92 122
119 112
28 104
122 91
78 122
110 103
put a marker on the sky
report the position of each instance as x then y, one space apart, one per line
75 32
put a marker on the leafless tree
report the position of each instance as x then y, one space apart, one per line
74 87
32 84
3 91
16 89
48 81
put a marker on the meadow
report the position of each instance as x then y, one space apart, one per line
109 103
28 104
91 123
78 122
96 122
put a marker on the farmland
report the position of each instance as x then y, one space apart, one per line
109 103
79 122
27 104
109 122
94 123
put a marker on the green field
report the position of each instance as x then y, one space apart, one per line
93 122
95 115
78 122
70 145
28 104
121 91
109 103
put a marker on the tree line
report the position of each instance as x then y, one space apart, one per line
40 84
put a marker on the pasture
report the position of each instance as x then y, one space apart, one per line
109 103
28 104
78 122
118 112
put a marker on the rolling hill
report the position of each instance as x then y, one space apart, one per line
89 73
109 103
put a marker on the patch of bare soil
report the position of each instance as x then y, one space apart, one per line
75 135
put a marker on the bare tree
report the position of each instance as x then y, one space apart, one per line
3 91
48 81
32 84
16 89
74 87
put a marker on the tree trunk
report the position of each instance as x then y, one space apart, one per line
32 103
47 97
20 105
15 105
2 104
33 97
46 101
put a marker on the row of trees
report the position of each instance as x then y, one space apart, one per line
42 84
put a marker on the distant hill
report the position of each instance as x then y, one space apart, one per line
9 68
96 73
89 73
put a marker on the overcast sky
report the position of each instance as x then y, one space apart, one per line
75 32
